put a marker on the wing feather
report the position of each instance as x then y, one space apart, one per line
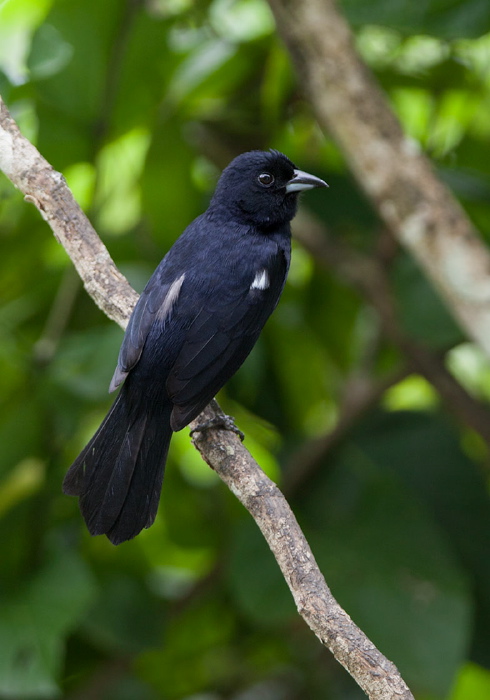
219 340
156 303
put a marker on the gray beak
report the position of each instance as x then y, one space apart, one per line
303 181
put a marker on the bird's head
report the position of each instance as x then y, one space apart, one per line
262 188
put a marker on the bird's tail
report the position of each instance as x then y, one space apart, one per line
119 474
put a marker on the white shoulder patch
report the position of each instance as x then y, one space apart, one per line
170 298
261 280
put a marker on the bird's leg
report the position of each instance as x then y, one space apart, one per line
220 421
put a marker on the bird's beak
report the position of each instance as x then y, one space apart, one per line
303 181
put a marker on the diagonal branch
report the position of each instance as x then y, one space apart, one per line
377 676
47 190
417 207
221 449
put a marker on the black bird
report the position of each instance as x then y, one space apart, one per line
193 326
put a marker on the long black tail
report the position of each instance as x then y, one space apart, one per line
119 474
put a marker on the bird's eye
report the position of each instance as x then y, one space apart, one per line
266 179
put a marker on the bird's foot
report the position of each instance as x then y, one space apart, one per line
220 421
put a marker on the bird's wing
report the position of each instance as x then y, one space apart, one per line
220 337
156 303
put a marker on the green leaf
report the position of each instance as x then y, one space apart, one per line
446 18
241 20
255 579
119 166
200 64
34 624
17 21
70 101
199 638
424 453
20 431
85 361
49 52
168 193
125 617
473 683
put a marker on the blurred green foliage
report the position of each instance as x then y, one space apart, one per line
140 104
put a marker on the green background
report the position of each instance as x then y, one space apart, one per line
139 105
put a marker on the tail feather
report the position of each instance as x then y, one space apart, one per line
142 499
102 502
118 476
78 478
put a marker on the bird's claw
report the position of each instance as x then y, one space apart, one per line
220 421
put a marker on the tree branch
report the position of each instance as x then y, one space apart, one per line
47 190
398 178
221 449
377 676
